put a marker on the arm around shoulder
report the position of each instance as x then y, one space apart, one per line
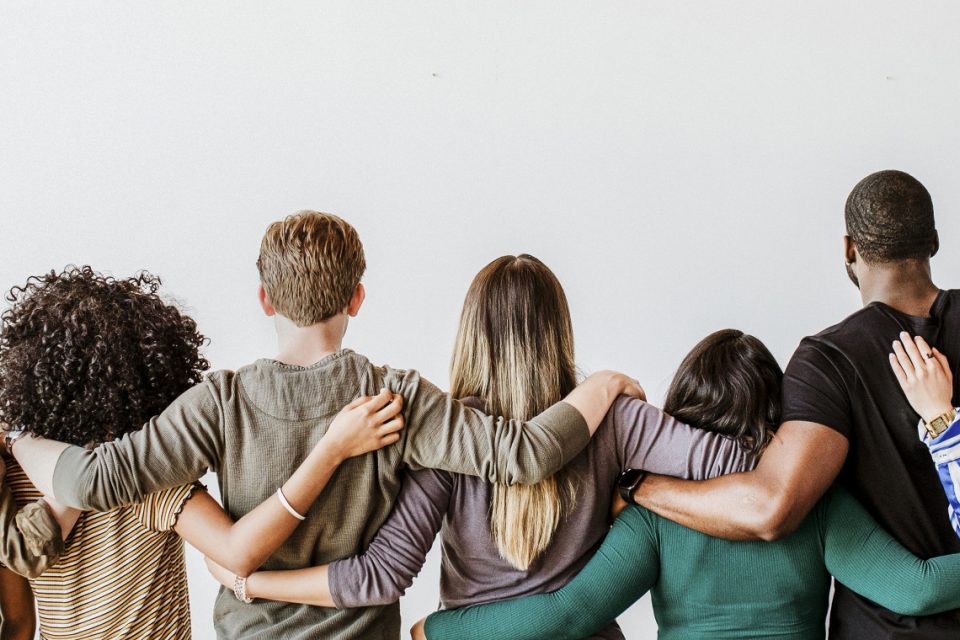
175 448
383 573
868 560
647 438
624 568
767 503
445 434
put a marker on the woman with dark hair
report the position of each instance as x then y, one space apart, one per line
86 358
513 357
705 587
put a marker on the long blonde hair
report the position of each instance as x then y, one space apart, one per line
514 349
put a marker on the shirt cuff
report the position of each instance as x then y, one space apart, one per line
41 531
568 428
950 432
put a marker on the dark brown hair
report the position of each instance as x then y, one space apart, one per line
85 358
730 384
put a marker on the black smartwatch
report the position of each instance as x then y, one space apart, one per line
628 482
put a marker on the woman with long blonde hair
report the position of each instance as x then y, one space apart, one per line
514 356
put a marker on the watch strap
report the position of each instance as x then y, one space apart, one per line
628 482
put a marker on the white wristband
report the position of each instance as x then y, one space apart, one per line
286 505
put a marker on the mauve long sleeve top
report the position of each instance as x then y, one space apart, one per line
634 434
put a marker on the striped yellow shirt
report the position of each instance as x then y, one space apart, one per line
122 575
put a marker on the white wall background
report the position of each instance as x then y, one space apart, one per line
681 165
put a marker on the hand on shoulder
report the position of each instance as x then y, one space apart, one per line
924 375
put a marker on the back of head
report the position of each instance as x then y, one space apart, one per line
889 215
310 265
85 358
514 349
730 384
514 346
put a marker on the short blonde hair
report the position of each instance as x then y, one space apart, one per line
310 265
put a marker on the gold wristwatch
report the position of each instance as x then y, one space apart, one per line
939 424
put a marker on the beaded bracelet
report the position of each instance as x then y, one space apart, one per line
240 589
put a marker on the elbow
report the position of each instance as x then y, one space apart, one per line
383 599
244 570
350 591
379 598
917 609
388 593
242 565
774 520
768 514
923 600
531 474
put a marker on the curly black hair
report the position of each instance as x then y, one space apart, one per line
85 358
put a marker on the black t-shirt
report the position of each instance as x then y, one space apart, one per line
841 378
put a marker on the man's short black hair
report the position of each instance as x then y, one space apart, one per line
889 215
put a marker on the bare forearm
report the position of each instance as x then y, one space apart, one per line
768 503
66 517
303 586
263 530
365 425
38 457
311 477
725 507
594 396
244 545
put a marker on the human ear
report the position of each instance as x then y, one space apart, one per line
359 295
849 250
265 302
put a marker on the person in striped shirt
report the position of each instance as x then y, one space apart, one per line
926 378
82 357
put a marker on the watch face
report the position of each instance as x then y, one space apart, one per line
938 426
629 477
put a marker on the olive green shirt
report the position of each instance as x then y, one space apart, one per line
253 427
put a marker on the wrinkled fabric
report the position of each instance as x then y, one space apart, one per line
945 451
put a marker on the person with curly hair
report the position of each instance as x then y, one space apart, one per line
83 359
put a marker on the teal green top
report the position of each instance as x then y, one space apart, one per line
705 587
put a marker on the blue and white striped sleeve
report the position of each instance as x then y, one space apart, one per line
945 451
